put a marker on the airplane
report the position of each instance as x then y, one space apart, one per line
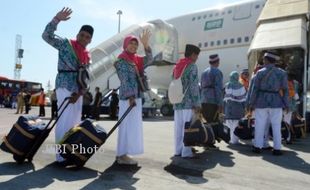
226 31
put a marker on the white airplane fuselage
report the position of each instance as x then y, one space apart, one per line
226 31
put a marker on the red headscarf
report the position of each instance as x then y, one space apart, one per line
81 52
178 68
132 57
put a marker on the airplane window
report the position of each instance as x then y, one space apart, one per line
216 14
193 18
199 45
223 12
204 16
212 43
246 39
239 40
230 11
210 15
199 18
232 40
206 44
225 42
257 6
218 42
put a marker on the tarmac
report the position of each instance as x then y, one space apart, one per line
229 167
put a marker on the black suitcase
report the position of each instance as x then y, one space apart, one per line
245 129
198 134
27 135
82 141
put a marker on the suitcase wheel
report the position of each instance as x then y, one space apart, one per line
19 159
29 159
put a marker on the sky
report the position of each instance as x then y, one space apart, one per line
29 18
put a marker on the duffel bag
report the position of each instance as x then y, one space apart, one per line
221 131
245 129
198 134
285 131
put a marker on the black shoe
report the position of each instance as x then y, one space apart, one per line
277 152
267 148
256 150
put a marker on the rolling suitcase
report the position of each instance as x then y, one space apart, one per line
83 140
27 135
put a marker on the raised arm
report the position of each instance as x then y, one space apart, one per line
49 32
144 38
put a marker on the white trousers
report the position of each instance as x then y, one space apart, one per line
70 117
180 117
262 116
130 131
232 124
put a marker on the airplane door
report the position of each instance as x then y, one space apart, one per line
242 11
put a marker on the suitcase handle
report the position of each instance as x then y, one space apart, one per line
120 120
45 133
57 118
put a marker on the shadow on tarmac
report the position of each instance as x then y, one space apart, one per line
301 145
288 160
192 170
115 177
12 168
43 177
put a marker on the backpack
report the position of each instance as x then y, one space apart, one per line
175 90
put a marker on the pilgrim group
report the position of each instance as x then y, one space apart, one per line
206 94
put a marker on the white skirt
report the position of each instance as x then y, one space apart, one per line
130 132
70 117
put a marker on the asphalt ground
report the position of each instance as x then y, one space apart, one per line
229 167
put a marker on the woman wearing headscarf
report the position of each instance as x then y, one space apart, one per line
128 65
234 104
